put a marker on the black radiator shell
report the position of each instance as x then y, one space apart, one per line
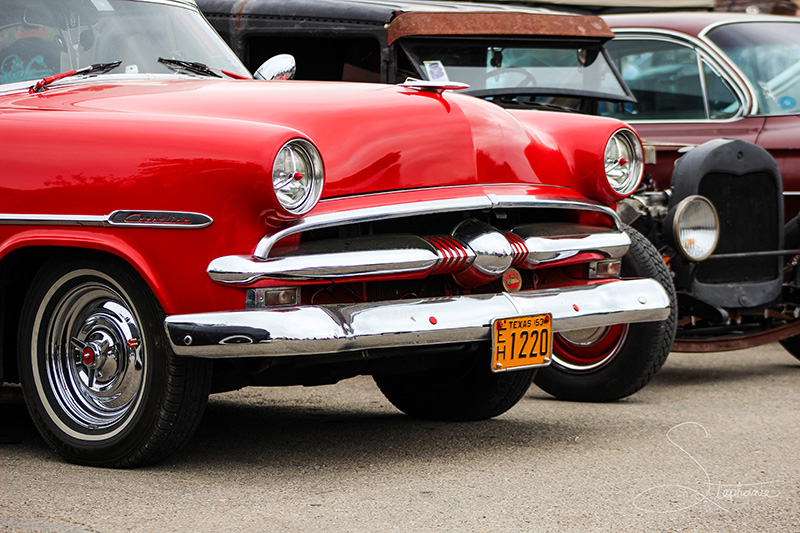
743 182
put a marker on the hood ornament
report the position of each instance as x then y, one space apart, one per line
437 87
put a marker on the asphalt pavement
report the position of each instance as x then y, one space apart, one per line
710 444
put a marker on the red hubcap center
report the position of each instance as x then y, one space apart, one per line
88 356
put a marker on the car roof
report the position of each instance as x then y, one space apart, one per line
420 18
376 11
654 4
690 23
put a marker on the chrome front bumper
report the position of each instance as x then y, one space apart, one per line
335 328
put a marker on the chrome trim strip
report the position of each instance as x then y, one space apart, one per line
755 18
335 328
197 220
52 220
394 254
370 214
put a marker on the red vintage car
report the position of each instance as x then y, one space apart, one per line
171 227
736 289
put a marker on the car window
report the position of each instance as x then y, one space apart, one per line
722 102
669 81
768 53
517 67
44 37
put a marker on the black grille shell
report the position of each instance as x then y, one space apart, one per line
743 182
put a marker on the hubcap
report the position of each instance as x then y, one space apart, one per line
94 355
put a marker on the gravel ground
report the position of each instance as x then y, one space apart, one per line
707 446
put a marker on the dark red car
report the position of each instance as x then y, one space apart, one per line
699 76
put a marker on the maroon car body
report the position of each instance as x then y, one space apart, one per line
704 76
700 76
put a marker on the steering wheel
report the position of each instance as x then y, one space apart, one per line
528 80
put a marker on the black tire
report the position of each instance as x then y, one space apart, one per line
99 379
606 364
792 242
792 345
466 390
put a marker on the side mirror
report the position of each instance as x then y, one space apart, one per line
280 67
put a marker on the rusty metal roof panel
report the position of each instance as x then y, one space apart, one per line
502 24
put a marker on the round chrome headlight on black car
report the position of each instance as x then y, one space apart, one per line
624 161
695 227
297 176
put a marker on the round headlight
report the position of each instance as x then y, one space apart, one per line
695 228
297 176
624 162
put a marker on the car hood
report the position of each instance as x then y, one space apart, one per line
372 138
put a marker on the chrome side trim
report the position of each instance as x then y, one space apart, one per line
489 201
335 328
51 220
395 254
127 218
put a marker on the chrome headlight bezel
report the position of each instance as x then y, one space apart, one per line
623 161
298 176
692 217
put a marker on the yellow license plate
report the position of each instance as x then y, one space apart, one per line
521 342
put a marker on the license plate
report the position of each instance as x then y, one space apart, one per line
521 342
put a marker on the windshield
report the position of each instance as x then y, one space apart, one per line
40 38
515 68
768 53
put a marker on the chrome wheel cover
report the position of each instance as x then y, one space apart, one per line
589 349
93 360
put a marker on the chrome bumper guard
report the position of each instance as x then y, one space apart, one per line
335 328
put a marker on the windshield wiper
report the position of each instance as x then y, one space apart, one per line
194 67
97 68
